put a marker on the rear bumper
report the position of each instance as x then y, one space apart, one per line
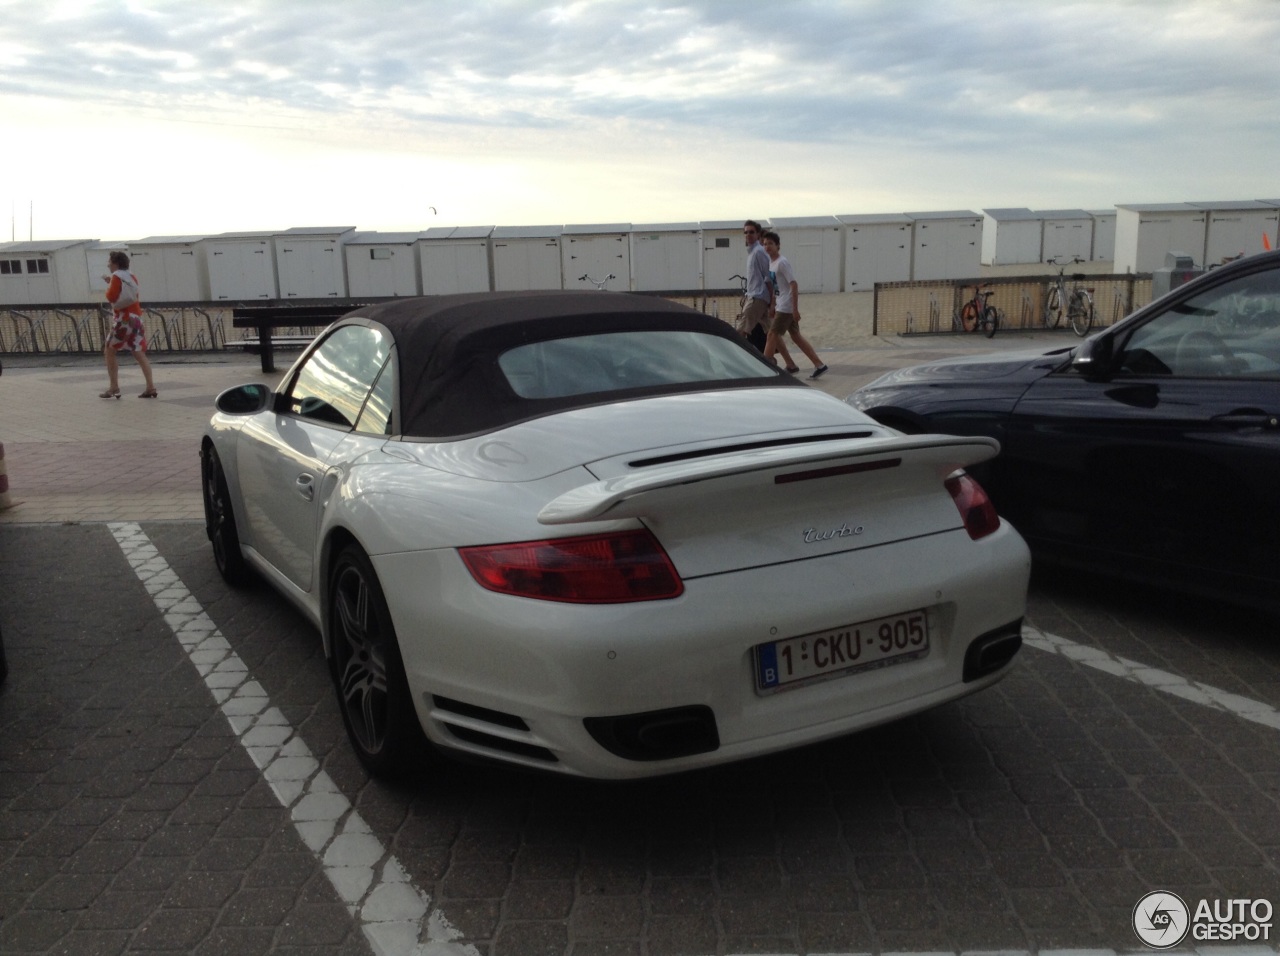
528 681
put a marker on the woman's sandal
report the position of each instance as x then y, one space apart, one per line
149 393
793 368
110 393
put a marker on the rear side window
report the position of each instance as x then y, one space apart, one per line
617 361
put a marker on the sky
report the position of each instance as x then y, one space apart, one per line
122 120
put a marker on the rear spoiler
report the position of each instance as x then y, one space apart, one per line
620 497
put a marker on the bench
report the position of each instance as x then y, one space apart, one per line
266 319
253 344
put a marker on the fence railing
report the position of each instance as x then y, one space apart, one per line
71 328
187 327
929 308
900 308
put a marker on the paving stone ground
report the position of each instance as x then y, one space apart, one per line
1030 817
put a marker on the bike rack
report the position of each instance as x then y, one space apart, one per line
34 326
935 313
216 331
1118 307
76 328
1027 317
164 325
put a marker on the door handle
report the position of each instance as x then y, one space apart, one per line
305 484
1248 418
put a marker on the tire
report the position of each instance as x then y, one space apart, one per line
969 317
4 663
367 670
1053 308
1080 312
990 319
220 521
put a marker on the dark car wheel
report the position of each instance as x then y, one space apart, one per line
220 520
373 692
4 664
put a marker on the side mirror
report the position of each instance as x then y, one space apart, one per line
243 400
1094 355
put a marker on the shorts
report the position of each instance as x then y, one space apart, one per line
754 314
783 322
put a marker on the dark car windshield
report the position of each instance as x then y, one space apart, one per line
616 361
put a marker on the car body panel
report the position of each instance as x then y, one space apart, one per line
1150 469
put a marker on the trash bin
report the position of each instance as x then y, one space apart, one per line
1179 268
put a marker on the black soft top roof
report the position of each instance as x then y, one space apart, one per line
450 381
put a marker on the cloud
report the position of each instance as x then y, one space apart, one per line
892 98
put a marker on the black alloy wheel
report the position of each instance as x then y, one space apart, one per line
220 520
368 674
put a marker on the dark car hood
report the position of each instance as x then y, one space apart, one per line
1009 367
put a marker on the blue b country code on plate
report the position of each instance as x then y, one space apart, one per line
842 650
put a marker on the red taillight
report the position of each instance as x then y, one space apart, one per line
596 569
976 510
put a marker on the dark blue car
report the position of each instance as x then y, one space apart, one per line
1150 450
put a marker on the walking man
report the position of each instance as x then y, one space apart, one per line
786 307
755 316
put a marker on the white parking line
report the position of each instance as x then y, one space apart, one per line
1163 681
394 914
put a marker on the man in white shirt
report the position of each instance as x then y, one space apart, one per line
786 307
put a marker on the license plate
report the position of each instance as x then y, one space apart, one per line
843 650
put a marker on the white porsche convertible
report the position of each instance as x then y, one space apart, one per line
597 533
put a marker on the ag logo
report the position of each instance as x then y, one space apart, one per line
1161 920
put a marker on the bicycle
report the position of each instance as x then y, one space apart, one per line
978 314
598 283
1078 300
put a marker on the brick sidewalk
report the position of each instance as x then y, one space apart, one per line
72 456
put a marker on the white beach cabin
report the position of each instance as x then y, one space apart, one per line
310 263
666 257
945 245
40 272
526 257
1237 228
381 264
1067 233
814 245
723 254
1011 237
877 248
242 266
1104 235
456 259
589 254
1147 232
170 268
